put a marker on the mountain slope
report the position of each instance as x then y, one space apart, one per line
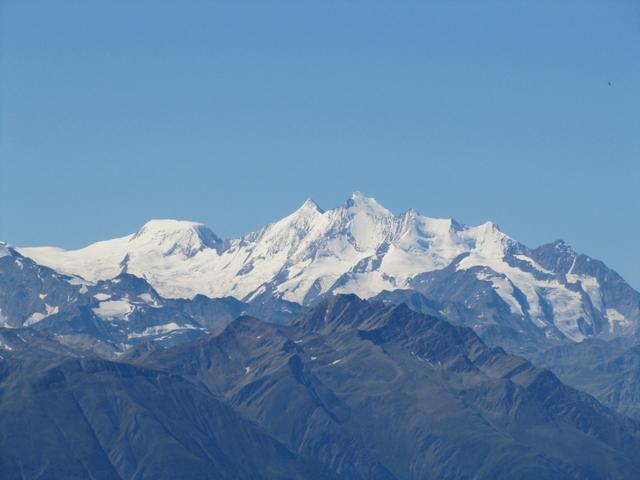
422 398
30 292
360 247
76 418
608 370
110 316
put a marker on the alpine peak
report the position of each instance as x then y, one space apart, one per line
362 248
369 205
176 236
310 205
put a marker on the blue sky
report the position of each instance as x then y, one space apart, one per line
232 113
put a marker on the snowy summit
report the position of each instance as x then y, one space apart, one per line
359 247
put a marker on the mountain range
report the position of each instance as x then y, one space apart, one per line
480 277
343 344
348 390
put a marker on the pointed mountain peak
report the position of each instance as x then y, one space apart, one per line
176 236
563 247
490 239
559 247
412 212
307 211
490 226
310 205
560 244
369 205
491 229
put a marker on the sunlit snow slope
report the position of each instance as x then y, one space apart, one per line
362 248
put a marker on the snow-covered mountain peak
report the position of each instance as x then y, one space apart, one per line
361 247
170 227
489 232
310 206
487 241
489 226
411 213
296 224
361 203
172 237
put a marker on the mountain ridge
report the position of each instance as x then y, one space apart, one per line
361 247
428 399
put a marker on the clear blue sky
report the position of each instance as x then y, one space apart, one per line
232 113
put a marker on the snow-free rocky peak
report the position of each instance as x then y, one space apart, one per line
480 274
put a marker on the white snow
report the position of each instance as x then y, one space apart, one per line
161 330
39 316
534 264
149 300
618 323
590 285
5 346
114 309
75 280
504 288
567 310
359 247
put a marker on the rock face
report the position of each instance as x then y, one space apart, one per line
30 292
479 275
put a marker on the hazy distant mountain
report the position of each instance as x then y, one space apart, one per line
350 390
384 392
478 276
608 370
65 416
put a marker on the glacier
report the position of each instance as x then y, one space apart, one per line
359 247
